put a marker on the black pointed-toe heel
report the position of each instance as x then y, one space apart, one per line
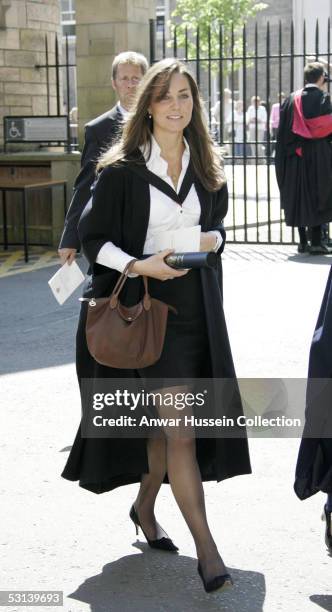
161 543
218 583
328 535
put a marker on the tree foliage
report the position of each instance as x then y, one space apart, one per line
208 15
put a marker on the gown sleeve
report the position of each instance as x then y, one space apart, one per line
101 220
219 211
284 129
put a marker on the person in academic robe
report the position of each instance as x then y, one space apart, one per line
314 463
303 159
165 175
128 68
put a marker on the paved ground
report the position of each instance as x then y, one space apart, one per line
55 535
261 204
12 261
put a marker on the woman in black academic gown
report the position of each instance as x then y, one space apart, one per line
164 174
314 463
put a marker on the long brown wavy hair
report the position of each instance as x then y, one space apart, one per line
138 128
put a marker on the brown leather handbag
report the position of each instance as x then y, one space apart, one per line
126 337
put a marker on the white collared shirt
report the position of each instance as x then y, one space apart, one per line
257 113
122 110
165 213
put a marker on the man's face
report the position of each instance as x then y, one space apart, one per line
128 77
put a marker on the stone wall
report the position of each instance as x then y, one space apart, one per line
23 27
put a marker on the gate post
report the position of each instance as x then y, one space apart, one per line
103 30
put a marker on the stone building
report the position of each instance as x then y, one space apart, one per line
24 25
99 30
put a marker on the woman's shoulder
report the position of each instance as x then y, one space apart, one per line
119 169
113 174
122 167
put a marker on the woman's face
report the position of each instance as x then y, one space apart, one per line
173 113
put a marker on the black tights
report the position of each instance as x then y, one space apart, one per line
175 454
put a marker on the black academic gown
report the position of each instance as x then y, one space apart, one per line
314 464
119 212
304 180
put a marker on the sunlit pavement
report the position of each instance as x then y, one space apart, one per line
57 536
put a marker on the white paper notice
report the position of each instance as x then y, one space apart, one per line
185 239
64 282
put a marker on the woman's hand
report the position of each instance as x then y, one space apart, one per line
156 267
208 242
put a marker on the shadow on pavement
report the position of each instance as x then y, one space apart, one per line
311 259
324 601
160 582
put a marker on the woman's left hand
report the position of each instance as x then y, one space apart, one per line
208 242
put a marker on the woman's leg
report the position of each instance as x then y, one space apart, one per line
186 483
149 488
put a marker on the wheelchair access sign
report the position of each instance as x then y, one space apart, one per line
14 129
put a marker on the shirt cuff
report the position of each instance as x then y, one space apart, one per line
219 240
113 257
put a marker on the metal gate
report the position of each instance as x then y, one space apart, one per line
61 83
243 79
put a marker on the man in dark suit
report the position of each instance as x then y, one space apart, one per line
128 68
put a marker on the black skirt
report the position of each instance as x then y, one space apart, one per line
186 347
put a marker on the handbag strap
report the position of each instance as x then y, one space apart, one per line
121 281
146 299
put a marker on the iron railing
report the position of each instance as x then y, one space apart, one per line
265 62
58 76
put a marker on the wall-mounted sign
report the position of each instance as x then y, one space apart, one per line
36 129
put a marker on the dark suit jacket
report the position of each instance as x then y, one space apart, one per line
100 133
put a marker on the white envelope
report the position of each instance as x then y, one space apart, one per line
185 239
64 282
